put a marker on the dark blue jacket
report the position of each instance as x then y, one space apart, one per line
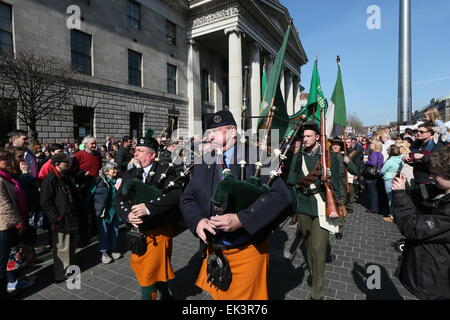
258 220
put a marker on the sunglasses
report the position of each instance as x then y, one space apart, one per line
422 131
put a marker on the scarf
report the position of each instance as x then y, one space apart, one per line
21 199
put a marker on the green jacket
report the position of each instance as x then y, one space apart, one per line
337 160
307 204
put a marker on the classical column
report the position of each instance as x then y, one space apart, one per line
269 64
296 94
235 71
283 84
217 83
289 86
194 90
255 83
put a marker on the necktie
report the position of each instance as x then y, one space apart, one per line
144 176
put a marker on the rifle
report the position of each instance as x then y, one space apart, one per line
330 202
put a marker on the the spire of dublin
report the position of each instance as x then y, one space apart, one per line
404 108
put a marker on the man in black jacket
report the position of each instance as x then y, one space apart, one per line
58 202
153 215
423 189
241 236
425 263
124 154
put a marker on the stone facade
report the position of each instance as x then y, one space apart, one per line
215 39
441 104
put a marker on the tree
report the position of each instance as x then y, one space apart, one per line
38 85
355 123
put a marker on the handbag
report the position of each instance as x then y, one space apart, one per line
218 270
370 172
36 219
137 242
20 257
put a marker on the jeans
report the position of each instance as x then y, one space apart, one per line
373 194
388 188
108 234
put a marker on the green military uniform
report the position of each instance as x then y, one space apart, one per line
306 207
339 183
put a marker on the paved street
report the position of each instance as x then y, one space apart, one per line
368 240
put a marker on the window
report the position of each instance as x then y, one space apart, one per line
225 93
136 123
134 68
171 79
171 32
134 14
83 122
81 51
205 85
8 119
6 38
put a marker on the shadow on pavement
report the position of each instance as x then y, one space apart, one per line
183 285
384 288
86 258
283 276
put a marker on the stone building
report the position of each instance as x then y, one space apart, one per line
441 104
148 63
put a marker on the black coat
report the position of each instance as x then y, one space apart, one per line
163 210
425 263
59 197
258 220
123 156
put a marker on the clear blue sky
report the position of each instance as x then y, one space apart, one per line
370 57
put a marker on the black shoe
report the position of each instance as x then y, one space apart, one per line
309 281
338 236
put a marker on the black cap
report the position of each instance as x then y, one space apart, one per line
311 125
148 141
337 140
60 157
219 119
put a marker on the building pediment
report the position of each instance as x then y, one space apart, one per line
279 18
266 20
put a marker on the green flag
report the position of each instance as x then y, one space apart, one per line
338 98
316 100
272 93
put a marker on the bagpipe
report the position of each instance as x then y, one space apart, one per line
134 191
232 194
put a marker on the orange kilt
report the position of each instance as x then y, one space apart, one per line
249 268
155 265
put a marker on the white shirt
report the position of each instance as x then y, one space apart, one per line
144 177
146 172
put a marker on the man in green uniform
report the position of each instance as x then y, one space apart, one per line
355 153
339 182
304 182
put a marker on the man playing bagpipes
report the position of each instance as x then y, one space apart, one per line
151 208
237 258
305 179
